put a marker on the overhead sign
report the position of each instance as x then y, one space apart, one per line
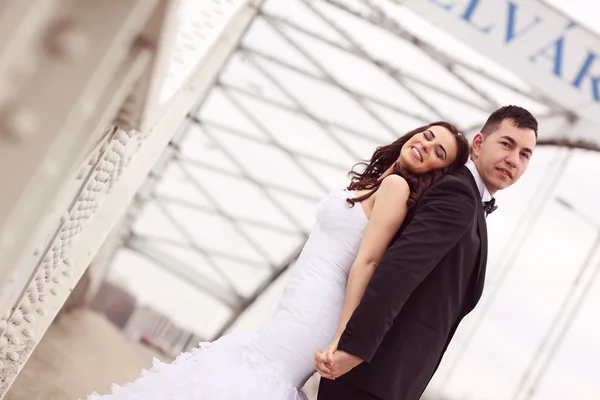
532 39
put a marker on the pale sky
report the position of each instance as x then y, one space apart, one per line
246 144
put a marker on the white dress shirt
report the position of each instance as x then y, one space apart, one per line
483 190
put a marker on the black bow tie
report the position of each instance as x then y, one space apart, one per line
489 207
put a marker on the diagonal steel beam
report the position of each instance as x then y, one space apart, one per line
352 92
270 142
324 127
192 242
219 211
240 219
331 124
267 194
200 249
360 52
184 271
393 73
240 175
259 290
358 100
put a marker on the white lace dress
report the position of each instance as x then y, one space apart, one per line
274 362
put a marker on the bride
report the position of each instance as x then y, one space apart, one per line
354 228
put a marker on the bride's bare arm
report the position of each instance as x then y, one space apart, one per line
389 211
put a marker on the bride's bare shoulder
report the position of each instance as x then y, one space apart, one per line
393 186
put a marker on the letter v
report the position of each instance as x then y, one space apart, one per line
511 34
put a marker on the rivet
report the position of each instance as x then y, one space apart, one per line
20 123
66 40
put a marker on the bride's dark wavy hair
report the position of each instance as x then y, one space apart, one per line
386 156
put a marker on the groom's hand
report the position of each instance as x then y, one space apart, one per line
341 364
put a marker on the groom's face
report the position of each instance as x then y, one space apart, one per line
503 155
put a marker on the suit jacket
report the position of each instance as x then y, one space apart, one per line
430 277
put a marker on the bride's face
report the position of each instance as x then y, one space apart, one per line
431 149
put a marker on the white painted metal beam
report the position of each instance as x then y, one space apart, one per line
102 191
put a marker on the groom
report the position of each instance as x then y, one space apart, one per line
431 276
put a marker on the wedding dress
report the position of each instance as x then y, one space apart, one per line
274 362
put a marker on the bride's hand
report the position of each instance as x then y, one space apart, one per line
324 359
329 350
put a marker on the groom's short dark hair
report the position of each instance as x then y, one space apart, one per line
520 117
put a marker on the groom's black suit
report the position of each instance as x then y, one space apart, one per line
430 277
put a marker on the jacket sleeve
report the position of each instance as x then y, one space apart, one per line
443 215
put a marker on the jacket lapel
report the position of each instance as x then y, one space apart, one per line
479 273
482 257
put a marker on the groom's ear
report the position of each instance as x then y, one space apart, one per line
478 140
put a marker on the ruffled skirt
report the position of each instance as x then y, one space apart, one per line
226 369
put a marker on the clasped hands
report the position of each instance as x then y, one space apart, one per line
332 363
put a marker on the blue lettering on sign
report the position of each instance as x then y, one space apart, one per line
468 15
584 71
553 51
445 6
556 54
511 34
